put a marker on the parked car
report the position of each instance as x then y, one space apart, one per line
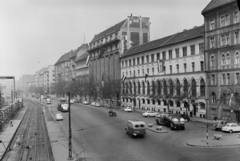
63 107
174 121
72 101
186 117
218 124
135 128
128 109
150 113
231 127
62 99
93 103
97 104
59 116
85 102
48 101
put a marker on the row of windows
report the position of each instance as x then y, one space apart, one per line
172 54
104 40
225 40
164 88
225 79
225 60
224 20
160 69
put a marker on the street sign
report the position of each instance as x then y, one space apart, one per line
6 77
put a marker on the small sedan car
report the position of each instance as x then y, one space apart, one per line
85 102
128 109
150 113
72 101
59 116
97 104
231 127
93 103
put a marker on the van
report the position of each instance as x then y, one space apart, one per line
135 128
48 101
218 124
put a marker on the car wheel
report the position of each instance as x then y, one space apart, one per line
148 116
230 131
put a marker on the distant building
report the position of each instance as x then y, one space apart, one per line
106 48
222 47
65 66
24 82
45 78
166 73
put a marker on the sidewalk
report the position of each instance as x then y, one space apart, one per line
9 130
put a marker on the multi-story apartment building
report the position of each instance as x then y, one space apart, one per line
24 82
81 69
65 66
45 78
167 73
106 47
222 46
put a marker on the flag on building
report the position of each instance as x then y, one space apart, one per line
146 75
102 51
87 62
124 78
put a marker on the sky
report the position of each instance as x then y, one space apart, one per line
36 33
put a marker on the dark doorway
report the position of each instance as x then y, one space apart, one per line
194 109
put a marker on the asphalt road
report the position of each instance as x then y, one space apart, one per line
99 137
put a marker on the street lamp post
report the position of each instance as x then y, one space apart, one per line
70 129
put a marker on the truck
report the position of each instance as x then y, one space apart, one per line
174 121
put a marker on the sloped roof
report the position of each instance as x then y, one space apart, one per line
67 56
168 40
108 31
216 3
84 56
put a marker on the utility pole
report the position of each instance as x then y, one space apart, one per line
70 130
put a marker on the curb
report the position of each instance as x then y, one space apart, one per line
209 145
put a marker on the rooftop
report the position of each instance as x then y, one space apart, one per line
168 40
216 3
108 31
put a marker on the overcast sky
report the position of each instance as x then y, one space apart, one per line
36 33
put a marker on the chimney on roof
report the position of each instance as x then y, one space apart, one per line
195 27
185 30
131 15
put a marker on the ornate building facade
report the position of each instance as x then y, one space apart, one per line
222 46
166 74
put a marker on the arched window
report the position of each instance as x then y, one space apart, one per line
170 103
202 87
143 101
134 87
178 103
159 87
126 88
185 87
178 87
228 59
223 59
237 59
130 88
202 105
143 87
153 87
212 61
123 88
171 87
213 97
165 87
194 88
139 88
148 88
224 97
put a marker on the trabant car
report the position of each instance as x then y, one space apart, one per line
135 128
218 124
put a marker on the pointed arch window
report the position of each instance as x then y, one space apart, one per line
143 87
178 88
213 96
139 88
223 59
153 87
194 88
171 87
202 87
228 59
185 87
148 88
159 87
165 87
130 87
